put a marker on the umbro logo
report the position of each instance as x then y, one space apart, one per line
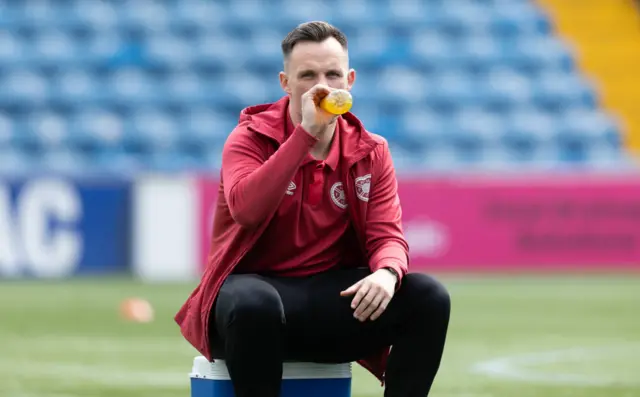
291 188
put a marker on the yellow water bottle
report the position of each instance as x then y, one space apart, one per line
337 102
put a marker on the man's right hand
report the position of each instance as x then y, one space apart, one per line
315 119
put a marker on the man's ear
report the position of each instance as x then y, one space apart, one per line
351 79
284 82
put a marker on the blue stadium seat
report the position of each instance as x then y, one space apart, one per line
400 84
423 129
13 53
266 55
538 54
16 162
465 19
590 127
450 91
185 89
529 134
119 161
142 17
131 88
505 89
471 129
560 91
65 160
431 50
9 18
74 88
196 16
204 127
249 12
150 129
478 53
45 131
7 131
405 13
53 48
94 129
24 89
93 17
370 48
355 14
519 19
168 52
215 51
108 49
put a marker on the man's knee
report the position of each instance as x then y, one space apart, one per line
250 302
427 293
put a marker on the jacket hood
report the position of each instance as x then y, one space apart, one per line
269 119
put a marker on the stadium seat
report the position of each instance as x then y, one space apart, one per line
519 18
73 88
94 129
150 129
7 131
23 89
46 131
131 88
65 160
558 92
53 49
204 127
12 51
16 162
506 90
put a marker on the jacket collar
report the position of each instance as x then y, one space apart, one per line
270 120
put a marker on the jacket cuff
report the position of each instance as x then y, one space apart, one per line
309 139
393 257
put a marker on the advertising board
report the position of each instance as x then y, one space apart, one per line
54 227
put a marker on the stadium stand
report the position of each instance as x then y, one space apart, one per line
157 85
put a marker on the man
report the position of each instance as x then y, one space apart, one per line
308 260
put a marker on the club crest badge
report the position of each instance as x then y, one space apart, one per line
338 195
363 184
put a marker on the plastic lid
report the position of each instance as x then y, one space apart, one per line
291 370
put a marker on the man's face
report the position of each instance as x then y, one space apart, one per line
313 63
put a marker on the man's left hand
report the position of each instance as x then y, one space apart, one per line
372 294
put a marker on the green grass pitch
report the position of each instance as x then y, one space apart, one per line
509 336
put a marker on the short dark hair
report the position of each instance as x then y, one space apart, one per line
315 31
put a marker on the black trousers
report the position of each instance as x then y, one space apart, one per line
261 321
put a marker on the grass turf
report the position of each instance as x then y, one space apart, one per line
63 339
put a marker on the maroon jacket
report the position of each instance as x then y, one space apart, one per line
257 165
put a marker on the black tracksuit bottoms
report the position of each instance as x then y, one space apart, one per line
262 321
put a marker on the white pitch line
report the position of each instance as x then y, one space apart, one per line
39 394
514 367
102 375
101 344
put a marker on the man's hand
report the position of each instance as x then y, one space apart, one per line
314 118
372 294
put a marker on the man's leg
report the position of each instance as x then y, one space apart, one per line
415 324
248 333
419 340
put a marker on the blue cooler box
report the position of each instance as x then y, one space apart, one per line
298 379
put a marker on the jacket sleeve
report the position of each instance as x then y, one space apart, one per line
254 183
385 241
